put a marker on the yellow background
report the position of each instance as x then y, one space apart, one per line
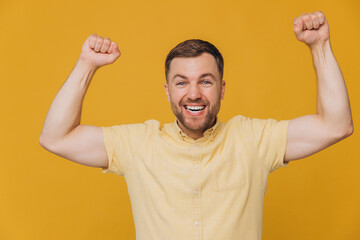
269 74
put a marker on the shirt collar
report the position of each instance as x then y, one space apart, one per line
210 133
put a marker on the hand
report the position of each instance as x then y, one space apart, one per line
98 51
312 28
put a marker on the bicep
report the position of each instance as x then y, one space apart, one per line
307 135
83 145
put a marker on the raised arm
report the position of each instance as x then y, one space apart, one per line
332 122
62 133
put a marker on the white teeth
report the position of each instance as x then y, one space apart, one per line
195 108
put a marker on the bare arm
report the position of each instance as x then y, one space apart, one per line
62 133
332 122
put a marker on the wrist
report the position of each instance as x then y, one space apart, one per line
321 53
320 46
86 65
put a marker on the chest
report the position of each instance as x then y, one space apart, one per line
196 169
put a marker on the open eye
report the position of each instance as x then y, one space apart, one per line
180 83
206 82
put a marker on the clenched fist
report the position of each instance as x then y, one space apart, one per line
98 51
311 28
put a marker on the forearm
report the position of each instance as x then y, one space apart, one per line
333 104
65 111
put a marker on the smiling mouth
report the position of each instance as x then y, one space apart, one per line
195 109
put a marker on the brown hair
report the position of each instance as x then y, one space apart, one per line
194 48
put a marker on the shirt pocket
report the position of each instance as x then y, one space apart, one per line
230 174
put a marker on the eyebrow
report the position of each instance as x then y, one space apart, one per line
202 75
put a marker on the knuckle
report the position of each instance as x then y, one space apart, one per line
113 45
93 36
320 15
306 17
99 43
106 42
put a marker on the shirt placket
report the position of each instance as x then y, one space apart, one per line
197 191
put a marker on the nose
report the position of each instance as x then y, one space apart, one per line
194 92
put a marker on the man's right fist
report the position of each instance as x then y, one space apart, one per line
98 51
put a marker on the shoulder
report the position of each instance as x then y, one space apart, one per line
149 124
250 121
245 122
255 125
134 130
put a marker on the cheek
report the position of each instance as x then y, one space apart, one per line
177 96
213 96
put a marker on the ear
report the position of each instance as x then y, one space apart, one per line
167 91
222 89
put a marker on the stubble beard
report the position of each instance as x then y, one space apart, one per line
197 127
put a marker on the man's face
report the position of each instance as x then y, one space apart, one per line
195 90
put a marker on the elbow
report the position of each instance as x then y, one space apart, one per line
45 143
42 141
346 132
350 131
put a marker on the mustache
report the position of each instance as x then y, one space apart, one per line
194 102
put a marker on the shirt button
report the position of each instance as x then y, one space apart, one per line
197 223
196 192
196 166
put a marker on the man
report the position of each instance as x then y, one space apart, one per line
198 178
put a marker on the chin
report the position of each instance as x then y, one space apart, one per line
195 128
196 125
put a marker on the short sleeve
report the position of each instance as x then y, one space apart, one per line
123 142
272 137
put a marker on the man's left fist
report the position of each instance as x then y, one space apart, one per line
311 28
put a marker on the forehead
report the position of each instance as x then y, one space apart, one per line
193 67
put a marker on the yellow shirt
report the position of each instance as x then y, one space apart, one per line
209 188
